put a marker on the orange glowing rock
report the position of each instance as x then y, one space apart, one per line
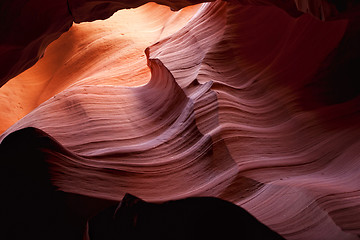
250 101
109 52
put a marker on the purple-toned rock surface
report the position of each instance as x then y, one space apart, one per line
256 102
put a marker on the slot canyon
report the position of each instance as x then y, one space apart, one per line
250 102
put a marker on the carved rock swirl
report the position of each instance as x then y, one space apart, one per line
237 107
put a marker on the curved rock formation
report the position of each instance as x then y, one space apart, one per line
74 58
246 102
29 26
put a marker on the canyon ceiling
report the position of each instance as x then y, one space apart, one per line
256 102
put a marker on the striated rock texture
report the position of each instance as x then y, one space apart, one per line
122 60
252 102
29 26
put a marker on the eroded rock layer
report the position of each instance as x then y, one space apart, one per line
245 102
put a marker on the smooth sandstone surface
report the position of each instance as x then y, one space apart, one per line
253 102
109 52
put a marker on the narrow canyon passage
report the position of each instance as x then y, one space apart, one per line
253 102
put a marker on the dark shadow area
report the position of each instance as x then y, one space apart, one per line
190 218
337 79
31 207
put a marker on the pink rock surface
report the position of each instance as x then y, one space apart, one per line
245 102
